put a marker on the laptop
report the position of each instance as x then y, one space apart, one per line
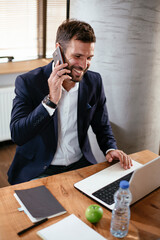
102 185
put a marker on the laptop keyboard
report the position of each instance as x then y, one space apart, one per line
106 194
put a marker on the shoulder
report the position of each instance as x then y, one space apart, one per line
37 73
93 79
92 74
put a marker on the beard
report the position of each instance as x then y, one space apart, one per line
77 73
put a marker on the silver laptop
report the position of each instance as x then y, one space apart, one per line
143 180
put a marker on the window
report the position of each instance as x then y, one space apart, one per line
56 14
22 26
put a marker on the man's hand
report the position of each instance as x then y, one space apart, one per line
55 81
125 160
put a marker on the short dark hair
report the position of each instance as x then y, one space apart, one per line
73 28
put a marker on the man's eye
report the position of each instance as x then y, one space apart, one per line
77 56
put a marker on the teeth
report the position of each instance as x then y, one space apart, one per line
77 71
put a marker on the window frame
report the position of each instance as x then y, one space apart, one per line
42 25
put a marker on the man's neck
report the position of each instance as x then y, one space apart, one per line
68 85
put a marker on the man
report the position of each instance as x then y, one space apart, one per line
54 107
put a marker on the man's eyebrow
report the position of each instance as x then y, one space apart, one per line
80 54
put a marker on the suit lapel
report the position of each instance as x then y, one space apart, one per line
82 106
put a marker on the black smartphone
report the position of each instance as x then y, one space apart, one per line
57 56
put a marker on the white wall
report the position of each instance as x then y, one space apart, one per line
127 55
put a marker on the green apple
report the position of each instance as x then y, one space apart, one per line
94 213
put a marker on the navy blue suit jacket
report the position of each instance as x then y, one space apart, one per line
36 132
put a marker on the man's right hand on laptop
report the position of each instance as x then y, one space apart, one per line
125 160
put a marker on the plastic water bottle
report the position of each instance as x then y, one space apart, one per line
121 212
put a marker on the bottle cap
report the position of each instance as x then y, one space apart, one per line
124 184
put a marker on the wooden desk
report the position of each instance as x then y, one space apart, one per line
23 66
145 214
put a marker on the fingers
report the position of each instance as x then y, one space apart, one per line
109 157
60 67
55 81
125 160
60 70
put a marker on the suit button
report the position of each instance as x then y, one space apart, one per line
44 167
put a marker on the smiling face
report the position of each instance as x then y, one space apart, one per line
78 55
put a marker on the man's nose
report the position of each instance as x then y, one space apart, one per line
84 63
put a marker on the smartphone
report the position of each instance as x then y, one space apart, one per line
57 56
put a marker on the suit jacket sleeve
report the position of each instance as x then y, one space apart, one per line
100 123
28 117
